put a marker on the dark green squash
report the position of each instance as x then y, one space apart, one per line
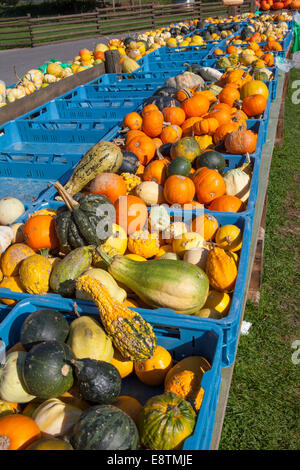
130 163
179 166
44 324
166 91
211 159
161 101
47 371
98 381
104 427
77 222
165 149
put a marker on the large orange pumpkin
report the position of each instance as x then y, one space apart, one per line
196 106
39 232
17 432
131 213
209 185
179 189
110 185
226 203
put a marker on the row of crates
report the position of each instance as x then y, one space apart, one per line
45 145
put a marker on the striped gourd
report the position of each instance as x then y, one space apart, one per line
131 334
103 157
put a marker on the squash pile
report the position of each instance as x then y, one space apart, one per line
60 389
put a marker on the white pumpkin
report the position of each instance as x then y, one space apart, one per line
56 418
10 210
11 388
6 237
158 219
237 184
197 256
150 192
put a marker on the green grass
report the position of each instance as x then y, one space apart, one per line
263 406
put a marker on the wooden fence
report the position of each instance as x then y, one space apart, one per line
32 32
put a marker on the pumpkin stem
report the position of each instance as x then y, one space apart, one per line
107 259
159 154
15 72
125 129
44 252
67 198
119 142
4 443
76 310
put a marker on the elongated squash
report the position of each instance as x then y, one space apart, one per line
103 157
166 283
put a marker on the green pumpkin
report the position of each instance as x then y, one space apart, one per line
50 444
187 147
179 166
105 427
78 221
43 325
98 381
211 159
165 422
46 371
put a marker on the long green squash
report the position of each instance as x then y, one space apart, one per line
103 157
165 283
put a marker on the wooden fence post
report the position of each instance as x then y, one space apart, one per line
30 29
112 61
153 16
199 9
98 20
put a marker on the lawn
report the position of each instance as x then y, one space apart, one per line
263 411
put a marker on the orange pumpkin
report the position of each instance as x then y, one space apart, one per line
13 257
254 105
131 213
209 185
226 203
183 94
170 134
174 115
179 189
196 106
129 405
14 284
124 366
153 123
206 225
156 171
132 121
39 232
133 134
110 185
240 141
158 142
17 432
205 126
143 147
221 115
207 93
229 95
268 59
153 371
232 50
148 108
223 130
187 126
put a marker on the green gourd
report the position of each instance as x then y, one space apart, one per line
165 283
103 157
179 166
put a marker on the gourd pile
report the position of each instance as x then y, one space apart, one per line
60 386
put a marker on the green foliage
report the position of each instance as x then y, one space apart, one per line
263 407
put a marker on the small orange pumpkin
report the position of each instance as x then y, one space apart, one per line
226 203
196 106
17 432
39 232
174 115
143 147
132 121
206 225
209 185
179 189
153 123
170 134
206 126
156 171
110 185
153 371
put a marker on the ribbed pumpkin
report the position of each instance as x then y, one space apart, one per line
130 333
206 126
209 185
221 270
165 422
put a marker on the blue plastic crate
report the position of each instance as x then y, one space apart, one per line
230 323
181 340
